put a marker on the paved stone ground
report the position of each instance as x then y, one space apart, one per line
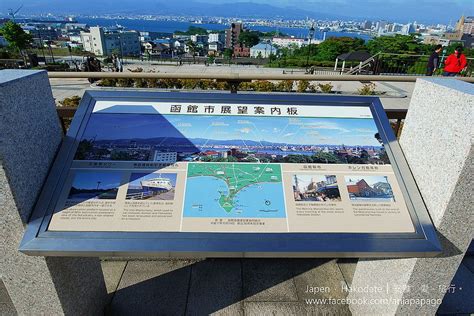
222 286
246 287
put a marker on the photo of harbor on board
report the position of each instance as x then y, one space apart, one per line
151 186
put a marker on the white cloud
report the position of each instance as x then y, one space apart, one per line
244 130
243 122
184 125
219 124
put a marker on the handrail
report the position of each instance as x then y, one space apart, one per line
358 68
232 76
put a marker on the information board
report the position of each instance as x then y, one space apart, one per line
274 175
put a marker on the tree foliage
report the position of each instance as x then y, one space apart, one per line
249 38
334 46
193 30
16 37
399 44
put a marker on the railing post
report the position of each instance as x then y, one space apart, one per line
233 85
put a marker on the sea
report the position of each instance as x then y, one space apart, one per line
260 200
172 26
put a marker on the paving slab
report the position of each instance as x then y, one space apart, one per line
269 280
324 280
152 288
468 261
459 300
293 308
113 271
6 305
215 288
347 267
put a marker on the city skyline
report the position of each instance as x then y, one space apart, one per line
401 10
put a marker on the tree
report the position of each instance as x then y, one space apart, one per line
228 54
192 49
334 46
398 44
249 38
16 37
192 30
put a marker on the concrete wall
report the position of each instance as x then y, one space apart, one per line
30 134
437 142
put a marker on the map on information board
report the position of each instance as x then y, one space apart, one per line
234 190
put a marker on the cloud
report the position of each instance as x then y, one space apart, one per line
184 125
289 134
365 130
243 122
219 124
325 125
244 130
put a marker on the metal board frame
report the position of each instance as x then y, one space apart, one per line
39 241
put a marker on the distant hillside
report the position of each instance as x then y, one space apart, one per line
237 9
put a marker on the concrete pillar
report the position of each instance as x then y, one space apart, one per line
437 143
343 65
335 65
30 134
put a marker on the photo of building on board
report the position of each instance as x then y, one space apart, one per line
316 188
171 138
369 188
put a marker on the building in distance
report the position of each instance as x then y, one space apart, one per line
104 43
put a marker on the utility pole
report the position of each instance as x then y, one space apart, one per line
311 34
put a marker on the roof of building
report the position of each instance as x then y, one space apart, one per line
355 56
263 46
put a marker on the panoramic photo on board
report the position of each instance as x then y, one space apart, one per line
201 138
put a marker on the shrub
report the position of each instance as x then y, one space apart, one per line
325 87
302 86
152 83
222 85
206 84
367 89
189 83
107 82
124 82
246 86
285 85
71 101
140 83
264 86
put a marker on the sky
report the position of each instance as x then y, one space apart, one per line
306 179
305 131
88 180
426 11
371 180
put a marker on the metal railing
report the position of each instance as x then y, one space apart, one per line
234 76
234 79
